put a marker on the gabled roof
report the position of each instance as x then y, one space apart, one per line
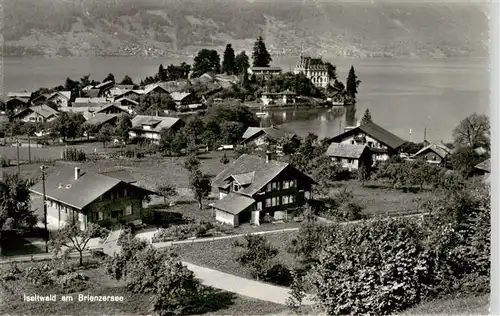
234 203
104 84
108 106
244 178
122 174
61 186
153 87
157 122
271 131
17 99
93 93
485 165
42 110
375 131
91 100
65 94
124 86
179 96
100 119
19 94
264 172
440 150
346 150
126 99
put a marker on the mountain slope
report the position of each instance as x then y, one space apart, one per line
176 27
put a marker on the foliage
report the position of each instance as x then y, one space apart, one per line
257 254
67 125
411 148
332 71
123 125
367 117
324 172
71 237
206 61
73 154
241 63
15 203
260 55
224 159
352 84
166 190
184 231
200 184
378 267
127 80
464 159
109 77
312 237
473 132
105 134
191 163
155 102
297 83
228 63
146 270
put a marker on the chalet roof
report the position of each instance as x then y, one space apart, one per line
42 110
22 100
19 94
375 131
124 86
246 164
345 150
62 186
65 94
266 68
440 150
234 203
91 100
126 99
271 131
93 93
121 174
153 87
485 165
179 96
157 122
100 119
104 84
244 178
108 106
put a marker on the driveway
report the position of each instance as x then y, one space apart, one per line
242 286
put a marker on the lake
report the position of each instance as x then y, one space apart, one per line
402 94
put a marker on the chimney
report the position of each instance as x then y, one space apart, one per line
268 156
77 173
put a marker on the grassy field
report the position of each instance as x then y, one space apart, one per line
382 199
465 305
216 303
220 254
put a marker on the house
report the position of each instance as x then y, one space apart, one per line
91 102
126 102
184 98
37 113
434 153
124 86
61 98
16 104
23 95
233 79
87 197
104 88
259 136
150 127
483 167
349 156
40 99
130 94
266 72
100 119
380 141
111 109
314 69
252 187
282 98
155 88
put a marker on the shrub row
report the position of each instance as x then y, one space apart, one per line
197 229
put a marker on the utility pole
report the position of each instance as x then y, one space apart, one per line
29 149
425 135
45 209
17 152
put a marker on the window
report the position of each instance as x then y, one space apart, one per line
274 186
100 216
370 144
285 199
236 187
128 210
259 206
293 183
125 192
286 184
349 160
352 142
291 199
274 201
268 202
434 158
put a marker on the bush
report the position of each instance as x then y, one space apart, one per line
73 154
39 275
379 267
11 273
279 274
184 231
73 282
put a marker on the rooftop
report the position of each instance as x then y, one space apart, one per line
158 122
375 131
345 150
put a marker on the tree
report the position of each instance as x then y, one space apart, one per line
332 71
123 125
473 132
464 159
191 163
166 190
364 171
200 185
261 57
224 159
352 84
241 63
127 80
173 288
367 117
71 237
257 254
228 62
206 61
67 125
15 204
110 77
105 134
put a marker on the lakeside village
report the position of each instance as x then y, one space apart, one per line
104 182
